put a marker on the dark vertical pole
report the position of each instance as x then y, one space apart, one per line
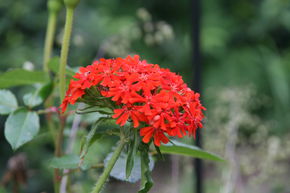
197 70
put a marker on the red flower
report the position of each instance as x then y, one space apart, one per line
141 93
127 112
158 135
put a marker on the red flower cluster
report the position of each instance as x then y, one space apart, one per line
143 93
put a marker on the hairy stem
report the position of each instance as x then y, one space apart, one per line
58 152
62 86
48 46
64 51
102 180
59 138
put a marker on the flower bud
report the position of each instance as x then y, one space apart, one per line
71 3
54 5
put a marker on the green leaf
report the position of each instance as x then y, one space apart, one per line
108 126
53 65
146 180
119 169
2 190
21 127
65 162
17 77
38 96
93 109
45 91
279 83
8 102
188 150
133 147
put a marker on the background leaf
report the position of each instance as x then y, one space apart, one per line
2 190
17 77
8 102
20 127
65 162
38 96
188 150
119 169
53 65
32 99
45 90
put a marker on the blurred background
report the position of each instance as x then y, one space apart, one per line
245 48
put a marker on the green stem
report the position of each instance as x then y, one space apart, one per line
62 83
102 180
64 51
49 37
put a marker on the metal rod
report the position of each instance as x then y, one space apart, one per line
196 84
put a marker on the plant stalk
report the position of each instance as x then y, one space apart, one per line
47 52
58 153
49 38
64 51
62 83
102 180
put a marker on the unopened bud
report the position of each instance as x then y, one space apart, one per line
71 3
54 5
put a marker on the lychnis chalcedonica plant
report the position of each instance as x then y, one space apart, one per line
145 106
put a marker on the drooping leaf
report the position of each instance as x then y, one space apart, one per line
91 138
97 152
53 65
160 155
133 147
21 127
85 145
38 96
146 180
119 169
65 162
179 148
17 77
8 102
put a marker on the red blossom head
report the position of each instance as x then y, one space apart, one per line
141 93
